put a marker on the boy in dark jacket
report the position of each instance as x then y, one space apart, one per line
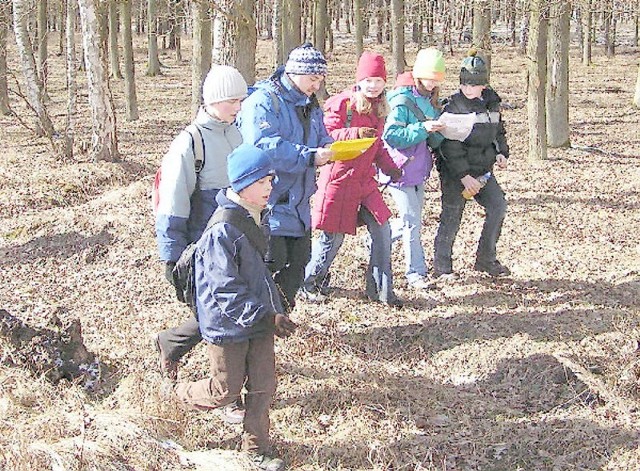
238 306
463 162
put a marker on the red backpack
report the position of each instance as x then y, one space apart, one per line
197 145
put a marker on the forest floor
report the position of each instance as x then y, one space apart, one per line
536 371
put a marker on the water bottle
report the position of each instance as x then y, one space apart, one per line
482 179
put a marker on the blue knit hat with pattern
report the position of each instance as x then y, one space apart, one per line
246 165
306 60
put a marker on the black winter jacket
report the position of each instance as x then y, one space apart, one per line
476 155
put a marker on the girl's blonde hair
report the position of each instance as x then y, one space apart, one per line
364 105
435 94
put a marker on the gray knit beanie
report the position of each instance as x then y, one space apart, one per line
473 70
223 83
306 60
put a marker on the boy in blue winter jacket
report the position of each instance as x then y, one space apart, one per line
283 117
238 306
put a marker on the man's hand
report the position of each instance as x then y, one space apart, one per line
284 326
367 132
433 126
323 155
472 185
501 161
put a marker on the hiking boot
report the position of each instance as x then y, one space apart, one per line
268 463
421 283
444 276
395 302
168 367
314 297
494 268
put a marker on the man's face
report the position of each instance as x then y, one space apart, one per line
307 84
472 91
258 192
225 111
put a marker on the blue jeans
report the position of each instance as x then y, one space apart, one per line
410 201
379 280
491 197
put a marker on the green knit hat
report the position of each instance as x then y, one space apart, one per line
429 65
473 70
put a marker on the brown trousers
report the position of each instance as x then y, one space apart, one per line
234 365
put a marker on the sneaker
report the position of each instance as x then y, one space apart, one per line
315 297
168 367
444 276
268 463
494 268
421 283
233 413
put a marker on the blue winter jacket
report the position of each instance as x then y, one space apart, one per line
235 292
183 211
280 119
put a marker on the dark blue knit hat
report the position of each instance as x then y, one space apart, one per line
246 165
306 60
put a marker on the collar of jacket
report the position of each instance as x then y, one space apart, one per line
207 121
290 92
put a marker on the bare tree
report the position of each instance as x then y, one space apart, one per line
246 39
5 109
320 26
42 42
69 134
636 97
482 31
587 16
43 125
114 55
104 142
358 6
201 61
291 28
557 96
397 38
131 98
277 31
153 64
537 69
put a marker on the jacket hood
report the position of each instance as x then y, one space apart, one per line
281 84
205 120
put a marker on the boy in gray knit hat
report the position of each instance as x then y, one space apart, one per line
283 117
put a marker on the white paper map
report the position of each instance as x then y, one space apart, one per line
457 126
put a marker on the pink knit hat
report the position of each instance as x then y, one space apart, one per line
371 65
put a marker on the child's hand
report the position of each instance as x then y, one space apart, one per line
284 326
433 126
323 155
472 185
367 132
501 161
395 174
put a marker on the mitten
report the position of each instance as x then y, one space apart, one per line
367 132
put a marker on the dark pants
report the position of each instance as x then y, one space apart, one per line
287 258
178 341
491 197
232 366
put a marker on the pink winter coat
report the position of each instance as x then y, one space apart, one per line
344 186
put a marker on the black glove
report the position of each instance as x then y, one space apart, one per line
367 132
168 271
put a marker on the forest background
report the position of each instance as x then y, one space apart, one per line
536 371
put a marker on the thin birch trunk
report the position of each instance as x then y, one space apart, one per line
69 132
5 109
114 55
131 98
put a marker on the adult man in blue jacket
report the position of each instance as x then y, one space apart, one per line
283 117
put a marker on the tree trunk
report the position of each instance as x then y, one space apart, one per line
201 61
397 38
482 31
291 28
42 44
587 16
70 125
537 69
557 97
246 39
320 26
131 98
636 97
524 34
358 26
43 125
5 109
114 55
277 32
104 142
153 65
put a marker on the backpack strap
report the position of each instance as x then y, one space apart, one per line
404 100
244 223
347 123
197 144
